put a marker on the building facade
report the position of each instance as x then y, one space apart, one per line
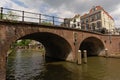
97 19
74 22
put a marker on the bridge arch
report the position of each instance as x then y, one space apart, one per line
93 45
55 45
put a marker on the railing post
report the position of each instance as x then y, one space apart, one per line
23 16
64 24
1 14
39 18
53 20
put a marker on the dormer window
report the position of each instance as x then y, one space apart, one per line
74 20
86 20
94 9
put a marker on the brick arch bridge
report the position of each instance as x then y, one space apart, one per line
60 42
55 45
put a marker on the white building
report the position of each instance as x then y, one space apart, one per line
73 22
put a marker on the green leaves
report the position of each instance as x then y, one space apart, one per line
11 16
24 42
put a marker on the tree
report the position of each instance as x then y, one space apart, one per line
47 23
10 16
23 42
3 16
104 31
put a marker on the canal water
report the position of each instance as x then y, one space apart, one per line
30 65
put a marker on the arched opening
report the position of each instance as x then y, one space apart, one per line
26 62
93 45
55 46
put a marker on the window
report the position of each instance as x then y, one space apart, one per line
99 24
93 26
90 26
83 27
93 9
74 20
78 24
95 16
98 16
92 18
74 25
86 20
87 26
82 21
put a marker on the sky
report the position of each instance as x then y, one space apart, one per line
64 8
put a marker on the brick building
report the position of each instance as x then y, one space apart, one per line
97 19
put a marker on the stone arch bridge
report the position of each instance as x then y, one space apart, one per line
60 42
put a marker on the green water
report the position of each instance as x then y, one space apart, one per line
30 65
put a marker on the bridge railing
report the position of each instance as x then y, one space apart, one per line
24 16
18 15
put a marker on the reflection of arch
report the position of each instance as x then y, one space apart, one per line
94 46
56 46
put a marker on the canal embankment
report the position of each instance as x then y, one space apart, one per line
116 55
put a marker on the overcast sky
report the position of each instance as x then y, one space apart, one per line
64 8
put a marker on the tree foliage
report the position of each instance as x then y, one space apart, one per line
23 42
47 23
9 16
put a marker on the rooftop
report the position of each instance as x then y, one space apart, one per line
96 8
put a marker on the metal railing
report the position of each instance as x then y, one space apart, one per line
18 15
24 16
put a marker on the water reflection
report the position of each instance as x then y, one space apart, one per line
22 65
30 65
